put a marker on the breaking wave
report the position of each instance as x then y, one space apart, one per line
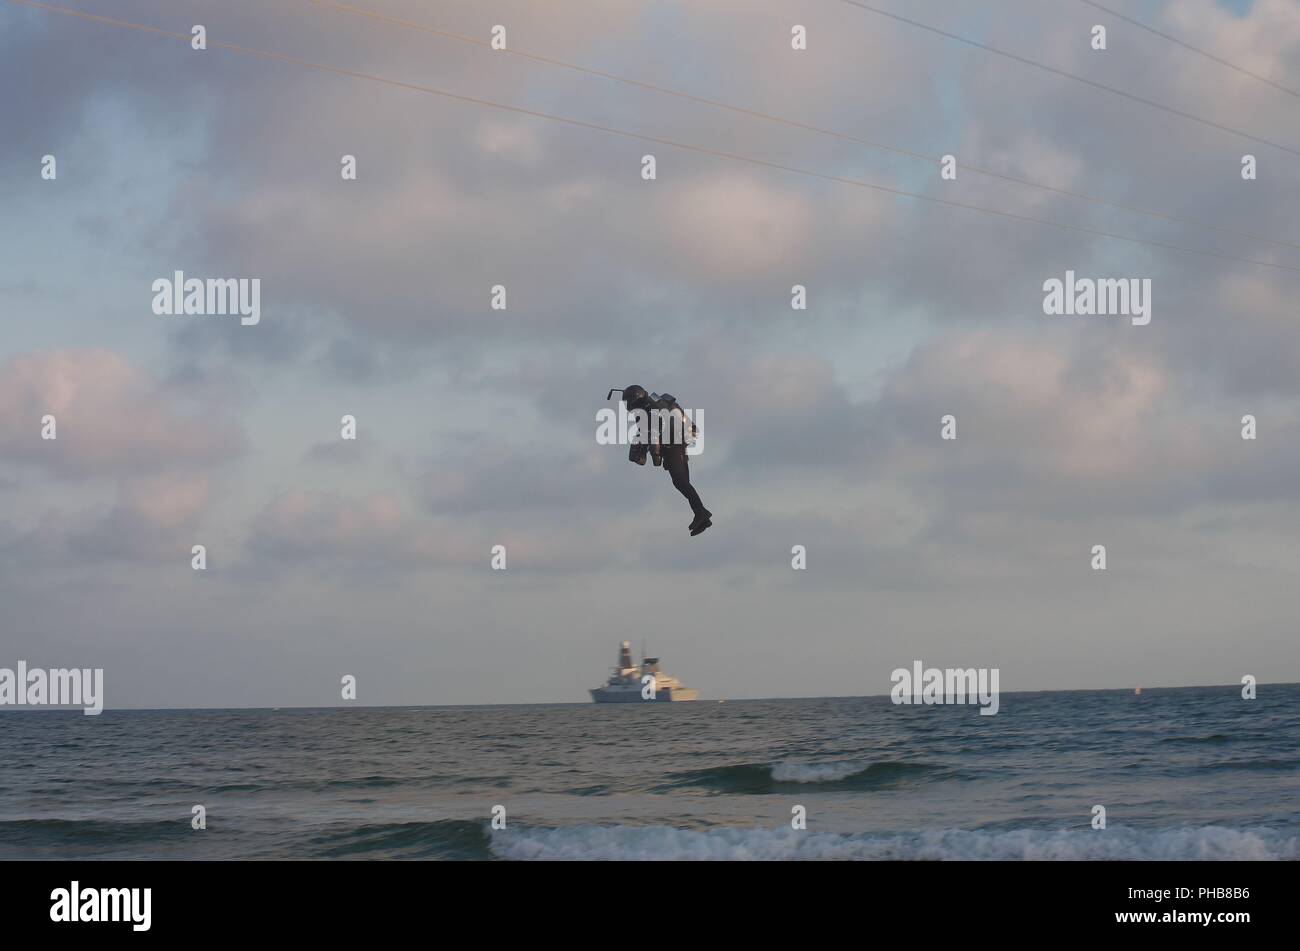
758 778
652 843
442 839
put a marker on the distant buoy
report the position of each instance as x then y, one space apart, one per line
1138 692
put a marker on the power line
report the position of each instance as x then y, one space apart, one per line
1074 76
704 150
1188 46
929 159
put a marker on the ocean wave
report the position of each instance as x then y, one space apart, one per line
76 836
1254 763
796 772
660 843
1213 739
760 778
443 839
373 781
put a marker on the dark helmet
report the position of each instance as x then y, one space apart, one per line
636 397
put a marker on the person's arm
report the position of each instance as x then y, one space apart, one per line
656 434
636 449
689 431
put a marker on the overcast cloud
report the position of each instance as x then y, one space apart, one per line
477 426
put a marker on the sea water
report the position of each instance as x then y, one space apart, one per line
1190 773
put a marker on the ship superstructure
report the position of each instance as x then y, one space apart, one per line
643 683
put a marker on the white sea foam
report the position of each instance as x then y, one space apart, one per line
1115 843
791 772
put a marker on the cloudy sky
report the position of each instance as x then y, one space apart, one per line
477 426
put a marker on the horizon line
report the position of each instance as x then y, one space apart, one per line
588 703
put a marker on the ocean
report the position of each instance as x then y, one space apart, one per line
1188 773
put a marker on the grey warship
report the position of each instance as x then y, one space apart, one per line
628 683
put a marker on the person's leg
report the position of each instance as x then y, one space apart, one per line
677 466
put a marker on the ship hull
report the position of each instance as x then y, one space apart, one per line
663 695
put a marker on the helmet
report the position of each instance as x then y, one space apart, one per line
636 397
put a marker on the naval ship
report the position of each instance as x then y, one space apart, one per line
624 684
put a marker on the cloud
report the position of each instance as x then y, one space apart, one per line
735 226
822 426
339 451
301 523
155 518
111 418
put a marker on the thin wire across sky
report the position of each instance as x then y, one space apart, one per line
705 150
